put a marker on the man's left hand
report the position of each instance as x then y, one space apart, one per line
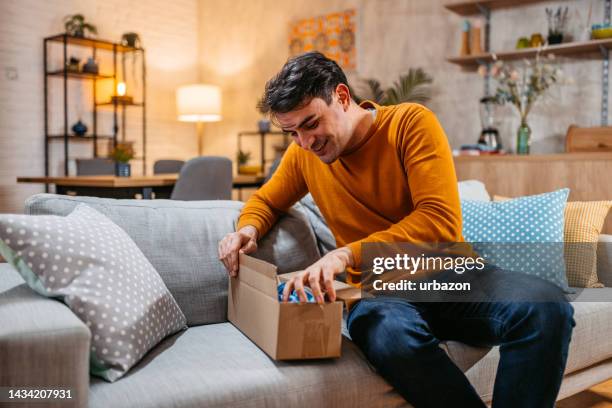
320 276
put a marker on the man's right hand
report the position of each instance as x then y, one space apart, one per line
242 241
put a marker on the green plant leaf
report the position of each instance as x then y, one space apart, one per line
410 87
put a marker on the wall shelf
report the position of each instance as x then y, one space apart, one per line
469 8
91 42
78 75
591 48
262 142
572 49
79 138
119 103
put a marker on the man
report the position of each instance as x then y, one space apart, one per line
386 174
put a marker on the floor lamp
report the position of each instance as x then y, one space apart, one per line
199 103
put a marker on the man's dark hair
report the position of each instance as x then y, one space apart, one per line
302 78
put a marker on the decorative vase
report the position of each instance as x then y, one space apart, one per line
131 40
91 67
79 128
263 125
555 38
122 169
523 138
72 65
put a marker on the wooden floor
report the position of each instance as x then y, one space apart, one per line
599 396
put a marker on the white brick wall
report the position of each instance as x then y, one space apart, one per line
169 32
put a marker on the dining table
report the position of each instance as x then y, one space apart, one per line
146 187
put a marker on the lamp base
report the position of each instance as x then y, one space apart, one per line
200 130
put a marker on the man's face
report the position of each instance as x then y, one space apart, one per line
318 127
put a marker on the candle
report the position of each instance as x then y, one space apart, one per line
121 89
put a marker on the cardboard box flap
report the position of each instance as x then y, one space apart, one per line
258 274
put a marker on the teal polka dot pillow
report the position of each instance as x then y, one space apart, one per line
523 235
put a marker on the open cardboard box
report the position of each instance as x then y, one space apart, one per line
285 331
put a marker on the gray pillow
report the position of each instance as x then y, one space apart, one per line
325 239
180 239
92 265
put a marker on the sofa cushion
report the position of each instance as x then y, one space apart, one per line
92 265
325 239
590 343
180 240
604 259
473 190
523 235
217 366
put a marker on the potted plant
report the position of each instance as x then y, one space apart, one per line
243 159
122 153
76 26
557 19
410 87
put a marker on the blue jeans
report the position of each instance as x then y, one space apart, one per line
401 338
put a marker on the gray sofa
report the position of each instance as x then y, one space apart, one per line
212 364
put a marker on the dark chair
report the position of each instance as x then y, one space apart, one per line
273 168
95 167
204 178
167 166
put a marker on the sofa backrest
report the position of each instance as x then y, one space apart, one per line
180 239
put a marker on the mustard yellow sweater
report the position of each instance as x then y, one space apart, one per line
398 185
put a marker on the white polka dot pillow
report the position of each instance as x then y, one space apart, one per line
92 265
523 235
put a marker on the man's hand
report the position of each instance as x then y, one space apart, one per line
320 276
242 241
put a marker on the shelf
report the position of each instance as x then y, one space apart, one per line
79 138
119 103
79 75
469 8
576 49
257 133
91 42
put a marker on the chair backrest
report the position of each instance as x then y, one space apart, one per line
588 139
273 168
167 166
95 167
204 178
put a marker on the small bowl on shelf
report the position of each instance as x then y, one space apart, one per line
601 31
249 170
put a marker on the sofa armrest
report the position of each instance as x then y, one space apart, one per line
42 343
604 259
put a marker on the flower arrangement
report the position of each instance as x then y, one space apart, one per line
122 152
522 87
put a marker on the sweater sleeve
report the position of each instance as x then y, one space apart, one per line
275 197
428 163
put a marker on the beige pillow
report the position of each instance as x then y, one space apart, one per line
584 221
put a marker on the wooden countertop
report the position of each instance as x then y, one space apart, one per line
596 156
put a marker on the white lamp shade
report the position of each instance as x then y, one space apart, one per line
198 103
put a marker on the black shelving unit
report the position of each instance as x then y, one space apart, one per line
117 50
262 143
